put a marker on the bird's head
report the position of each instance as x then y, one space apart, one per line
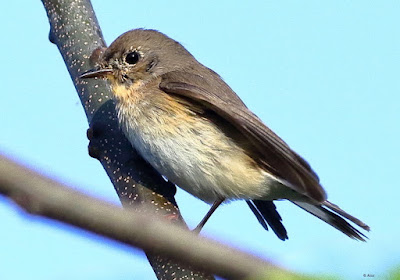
139 56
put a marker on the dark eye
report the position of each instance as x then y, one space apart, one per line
132 57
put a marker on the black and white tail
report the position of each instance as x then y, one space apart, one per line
330 213
266 213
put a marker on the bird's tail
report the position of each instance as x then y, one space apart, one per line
266 213
332 214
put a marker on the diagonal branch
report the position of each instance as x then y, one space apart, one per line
42 196
76 32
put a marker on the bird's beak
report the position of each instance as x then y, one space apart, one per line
97 72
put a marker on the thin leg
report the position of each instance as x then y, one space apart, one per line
208 215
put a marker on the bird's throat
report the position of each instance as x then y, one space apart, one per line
123 92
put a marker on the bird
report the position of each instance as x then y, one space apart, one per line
187 123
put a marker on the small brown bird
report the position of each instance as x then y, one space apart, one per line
192 128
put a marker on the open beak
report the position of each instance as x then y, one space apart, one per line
92 73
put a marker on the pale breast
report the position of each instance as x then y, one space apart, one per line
190 149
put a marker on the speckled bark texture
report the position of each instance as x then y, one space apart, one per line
75 31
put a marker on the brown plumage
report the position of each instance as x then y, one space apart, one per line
192 127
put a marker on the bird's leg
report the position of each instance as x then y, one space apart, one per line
208 215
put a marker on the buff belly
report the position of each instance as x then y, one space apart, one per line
193 152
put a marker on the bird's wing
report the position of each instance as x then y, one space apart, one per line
274 155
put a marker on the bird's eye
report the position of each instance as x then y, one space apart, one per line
132 57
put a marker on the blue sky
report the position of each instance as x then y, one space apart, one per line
324 75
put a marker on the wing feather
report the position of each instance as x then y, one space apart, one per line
275 156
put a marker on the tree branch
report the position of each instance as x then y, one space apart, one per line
75 31
42 196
